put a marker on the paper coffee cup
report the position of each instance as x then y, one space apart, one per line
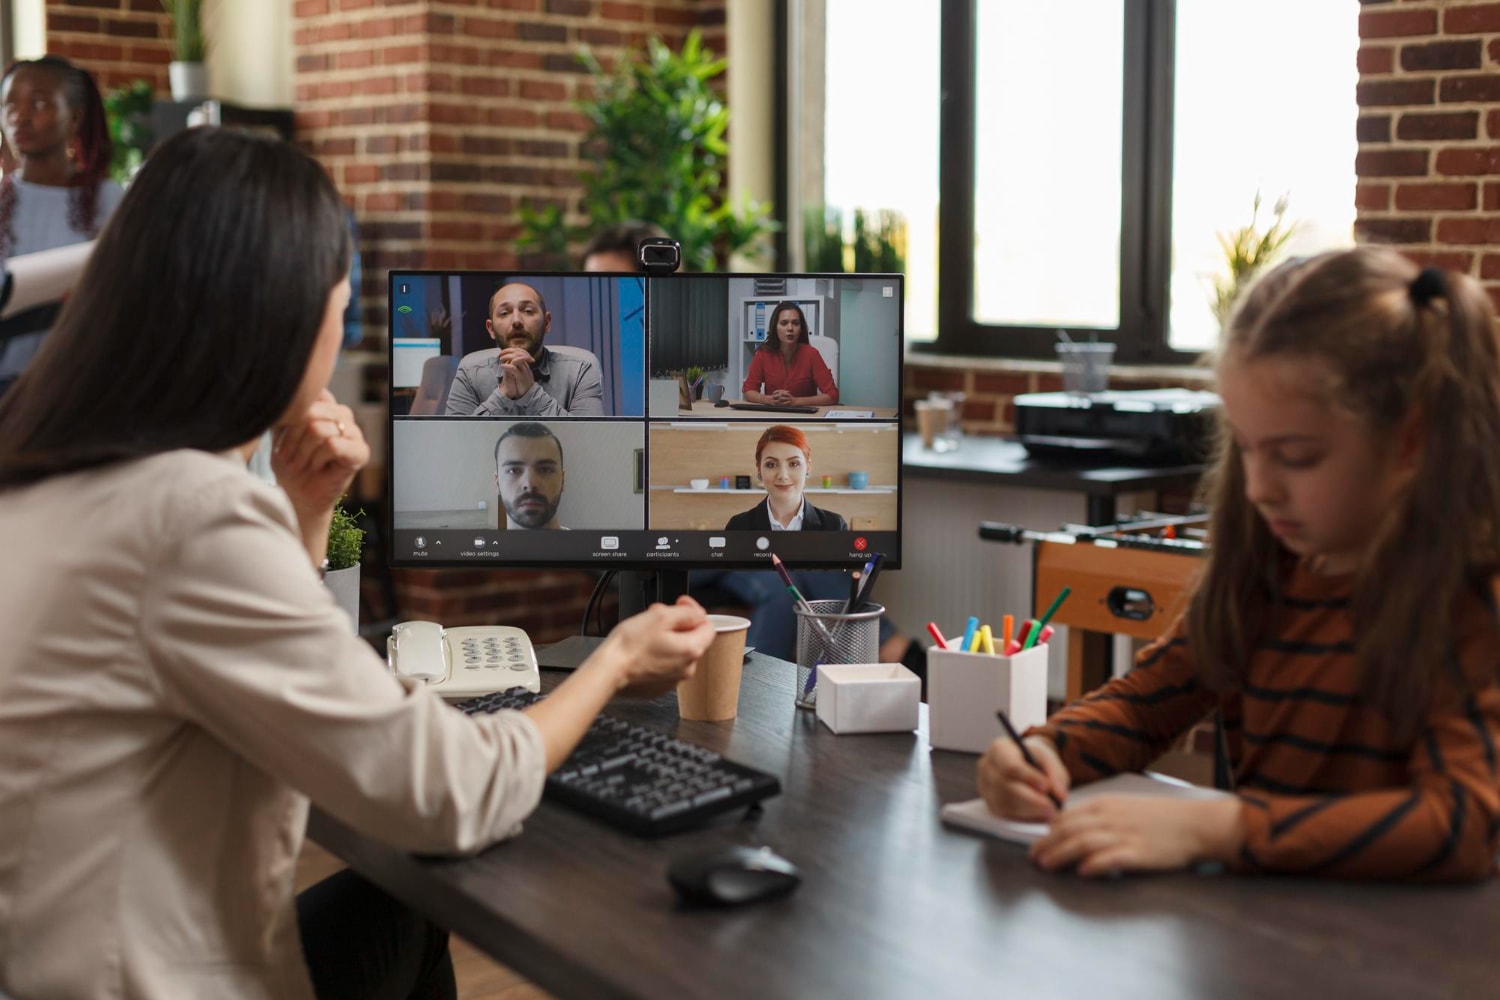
712 694
932 419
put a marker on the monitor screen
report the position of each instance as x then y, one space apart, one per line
678 422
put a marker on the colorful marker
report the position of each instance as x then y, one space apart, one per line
970 630
937 636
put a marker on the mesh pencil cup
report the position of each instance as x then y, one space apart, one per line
829 636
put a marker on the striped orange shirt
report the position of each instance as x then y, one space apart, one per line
1326 788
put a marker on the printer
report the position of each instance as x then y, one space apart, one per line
1148 426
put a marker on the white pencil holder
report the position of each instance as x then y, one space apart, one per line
964 690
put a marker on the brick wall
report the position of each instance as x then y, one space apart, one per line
120 41
1429 133
437 118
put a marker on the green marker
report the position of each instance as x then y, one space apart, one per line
1041 622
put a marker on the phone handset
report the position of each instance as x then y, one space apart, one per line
464 662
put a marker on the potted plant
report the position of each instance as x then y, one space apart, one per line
346 540
187 72
1247 251
128 111
657 150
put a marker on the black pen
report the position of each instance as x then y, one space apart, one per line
872 570
853 601
1004 721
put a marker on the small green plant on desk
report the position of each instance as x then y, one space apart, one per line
346 539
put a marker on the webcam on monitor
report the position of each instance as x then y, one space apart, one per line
659 255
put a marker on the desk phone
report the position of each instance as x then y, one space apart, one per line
465 662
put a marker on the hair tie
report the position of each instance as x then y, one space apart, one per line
1429 284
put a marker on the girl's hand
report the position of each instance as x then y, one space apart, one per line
1124 833
1013 789
659 647
316 456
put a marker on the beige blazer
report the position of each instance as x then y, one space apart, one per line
175 685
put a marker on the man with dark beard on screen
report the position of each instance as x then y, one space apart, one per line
529 474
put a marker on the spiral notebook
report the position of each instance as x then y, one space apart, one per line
974 815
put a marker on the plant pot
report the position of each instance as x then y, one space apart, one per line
189 80
344 583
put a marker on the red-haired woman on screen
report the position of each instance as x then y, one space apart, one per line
783 459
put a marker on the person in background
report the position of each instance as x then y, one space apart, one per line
783 459
786 369
1344 626
616 248
177 684
521 376
56 190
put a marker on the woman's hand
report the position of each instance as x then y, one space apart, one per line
646 653
658 647
1121 833
1013 789
316 456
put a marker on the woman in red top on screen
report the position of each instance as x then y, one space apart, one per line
783 459
787 370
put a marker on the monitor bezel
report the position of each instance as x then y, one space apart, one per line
892 557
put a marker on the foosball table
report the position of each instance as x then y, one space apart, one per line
1129 578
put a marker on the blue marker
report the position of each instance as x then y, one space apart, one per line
969 631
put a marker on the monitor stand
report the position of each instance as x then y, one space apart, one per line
638 591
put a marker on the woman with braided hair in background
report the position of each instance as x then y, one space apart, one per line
56 191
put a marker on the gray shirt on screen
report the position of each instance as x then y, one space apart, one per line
567 385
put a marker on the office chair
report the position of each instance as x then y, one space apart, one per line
829 349
432 392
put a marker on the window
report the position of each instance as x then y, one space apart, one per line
1234 138
865 114
1088 154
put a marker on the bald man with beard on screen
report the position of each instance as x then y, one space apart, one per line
523 377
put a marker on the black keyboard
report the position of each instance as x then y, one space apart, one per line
773 407
639 779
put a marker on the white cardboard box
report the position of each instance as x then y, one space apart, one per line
964 690
868 697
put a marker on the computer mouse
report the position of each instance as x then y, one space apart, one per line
726 876
722 402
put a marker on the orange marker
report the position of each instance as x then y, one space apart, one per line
1007 627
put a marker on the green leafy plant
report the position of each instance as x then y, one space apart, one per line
877 244
128 112
657 152
346 539
1248 250
189 45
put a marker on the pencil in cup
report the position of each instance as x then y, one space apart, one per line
853 638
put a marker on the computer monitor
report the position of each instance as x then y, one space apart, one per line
562 401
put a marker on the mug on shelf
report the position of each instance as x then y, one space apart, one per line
859 480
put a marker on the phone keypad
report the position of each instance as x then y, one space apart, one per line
494 653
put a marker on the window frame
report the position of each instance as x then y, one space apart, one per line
1146 195
1145 184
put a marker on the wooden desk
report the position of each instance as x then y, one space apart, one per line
706 408
894 906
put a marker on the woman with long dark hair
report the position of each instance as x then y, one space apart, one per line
176 683
56 189
786 369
